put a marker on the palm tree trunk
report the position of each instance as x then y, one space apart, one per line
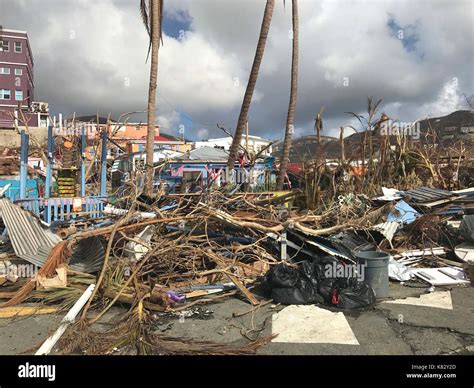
239 130
292 106
155 21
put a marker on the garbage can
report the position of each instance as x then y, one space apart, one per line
376 270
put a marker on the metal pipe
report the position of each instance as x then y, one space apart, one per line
103 168
283 241
61 123
23 164
83 162
47 191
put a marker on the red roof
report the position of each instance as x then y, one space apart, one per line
295 168
161 138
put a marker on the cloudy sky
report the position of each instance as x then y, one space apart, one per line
417 56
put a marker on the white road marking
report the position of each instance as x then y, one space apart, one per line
312 325
437 299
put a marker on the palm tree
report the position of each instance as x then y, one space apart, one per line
241 123
290 119
152 14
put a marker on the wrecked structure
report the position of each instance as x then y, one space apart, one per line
167 255
343 233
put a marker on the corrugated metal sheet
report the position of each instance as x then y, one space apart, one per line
426 194
205 153
26 233
324 244
33 243
87 256
387 229
469 191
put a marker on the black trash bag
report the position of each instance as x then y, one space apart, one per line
467 228
354 295
303 295
310 272
308 285
289 285
282 276
326 278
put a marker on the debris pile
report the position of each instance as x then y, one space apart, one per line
179 251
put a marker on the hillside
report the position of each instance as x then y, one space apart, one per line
456 126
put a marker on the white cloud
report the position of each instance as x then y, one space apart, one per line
448 99
103 67
202 134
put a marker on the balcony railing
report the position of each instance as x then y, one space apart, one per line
64 209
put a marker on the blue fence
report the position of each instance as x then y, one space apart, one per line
64 209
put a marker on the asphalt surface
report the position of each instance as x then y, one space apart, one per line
382 329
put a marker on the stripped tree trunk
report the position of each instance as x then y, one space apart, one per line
292 106
241 123
155 32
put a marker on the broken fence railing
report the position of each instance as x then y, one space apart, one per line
63 209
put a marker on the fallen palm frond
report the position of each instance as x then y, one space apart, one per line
62 298
133 334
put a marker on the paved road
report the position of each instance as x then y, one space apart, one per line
386 328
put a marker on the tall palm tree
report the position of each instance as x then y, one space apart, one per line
152 15
244 110
290 119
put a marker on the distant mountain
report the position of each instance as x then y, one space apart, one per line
443 130
454 127
458 125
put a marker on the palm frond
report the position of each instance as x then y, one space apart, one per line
144 9
358 117
147 17
161 21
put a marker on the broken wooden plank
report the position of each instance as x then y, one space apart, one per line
450 262
21 311
243 289
199 293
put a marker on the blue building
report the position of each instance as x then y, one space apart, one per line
206 167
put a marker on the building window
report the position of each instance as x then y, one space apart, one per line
18 47
5 94
4 70
4 46
18 71
18 95
43 121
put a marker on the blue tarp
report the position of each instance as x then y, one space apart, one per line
407 213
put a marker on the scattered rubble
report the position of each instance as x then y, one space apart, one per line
190 250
